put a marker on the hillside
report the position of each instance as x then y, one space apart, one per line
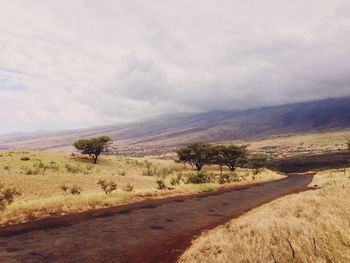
172 130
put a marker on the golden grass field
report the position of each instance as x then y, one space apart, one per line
314 224
39 179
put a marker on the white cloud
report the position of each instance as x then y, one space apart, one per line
69 64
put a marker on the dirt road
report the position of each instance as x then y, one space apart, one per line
149 232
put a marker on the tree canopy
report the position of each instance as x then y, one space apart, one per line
257 161
93 146
229 155
199 154
196 154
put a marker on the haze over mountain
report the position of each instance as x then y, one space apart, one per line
172 130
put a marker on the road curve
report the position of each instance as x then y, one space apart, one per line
156 232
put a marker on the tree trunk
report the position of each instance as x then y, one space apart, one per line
198 167
232 168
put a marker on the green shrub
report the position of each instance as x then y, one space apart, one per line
198 178
161 184
224 179
107 187
7 196
176 180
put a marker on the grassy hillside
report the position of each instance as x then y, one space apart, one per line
291 145
40 180
306 227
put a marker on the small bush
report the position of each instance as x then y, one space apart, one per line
31 171
107 187
234 177
7 168
198 178
7 196
151 169
73 168
74 189
53 166
176 180
224 179
258 171
39 165
65 189
128 188
229 178
161 184
165 171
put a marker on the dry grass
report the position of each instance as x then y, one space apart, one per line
284 145
314 224
40 178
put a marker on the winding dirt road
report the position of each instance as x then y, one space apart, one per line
156 231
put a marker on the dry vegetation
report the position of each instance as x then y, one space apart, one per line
312 226
43 178
284 146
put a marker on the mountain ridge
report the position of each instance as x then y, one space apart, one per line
173 130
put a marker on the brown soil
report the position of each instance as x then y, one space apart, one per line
151 231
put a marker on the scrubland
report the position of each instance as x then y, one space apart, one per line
41 179
291 145
312 226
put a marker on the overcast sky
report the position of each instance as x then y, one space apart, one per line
70 64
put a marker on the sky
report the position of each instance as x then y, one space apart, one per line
81 63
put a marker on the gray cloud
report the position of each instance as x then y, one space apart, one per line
86 63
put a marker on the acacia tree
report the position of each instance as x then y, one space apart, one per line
229 155
93 146
196 154
257 161
217 156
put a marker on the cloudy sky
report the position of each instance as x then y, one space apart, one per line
79 63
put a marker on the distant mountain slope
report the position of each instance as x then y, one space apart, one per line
172 130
